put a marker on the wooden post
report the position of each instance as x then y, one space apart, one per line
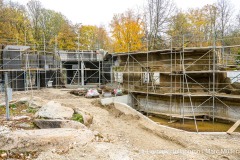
234 127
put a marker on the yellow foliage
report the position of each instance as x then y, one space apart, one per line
67 38
195 25
14 25
127 32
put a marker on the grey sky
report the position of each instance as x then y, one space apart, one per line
97 12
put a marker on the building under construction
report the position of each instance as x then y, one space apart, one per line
30 69
183 82
178 83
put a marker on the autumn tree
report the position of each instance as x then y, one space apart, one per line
34 10
51 23
238 20
158 14
127 32
103 39
88 37
67 37
14 23
178 27
211 14
225 10
196 26
93 37
179 24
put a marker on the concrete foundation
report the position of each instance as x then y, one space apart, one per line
178 107
121 99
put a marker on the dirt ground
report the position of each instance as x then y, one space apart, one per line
127 137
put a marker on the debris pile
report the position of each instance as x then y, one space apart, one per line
79 92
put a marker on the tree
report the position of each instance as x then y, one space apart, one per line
178 27
14 23
93 37
196 25
34 10
158 14
211 15
88 37
127 32
103 39
200 22
238 21
225 10
51 23
67 38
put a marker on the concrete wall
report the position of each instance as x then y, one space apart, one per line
12 60
126 99
163 106
48 59
171 81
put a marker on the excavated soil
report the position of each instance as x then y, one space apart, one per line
121 136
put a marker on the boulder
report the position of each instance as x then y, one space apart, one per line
19 118
4 130
24 100
53 110
44 124
87 118
34 102
24 125
44 139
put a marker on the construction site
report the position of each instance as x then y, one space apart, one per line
174 103
197 83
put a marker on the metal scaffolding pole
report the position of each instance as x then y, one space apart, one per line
214 75
183 77
171 85
78 60
82 73
148 77
99 73
6 96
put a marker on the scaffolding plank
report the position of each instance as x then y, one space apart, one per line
234 127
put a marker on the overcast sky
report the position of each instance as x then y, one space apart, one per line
100 12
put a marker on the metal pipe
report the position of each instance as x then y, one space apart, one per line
6 96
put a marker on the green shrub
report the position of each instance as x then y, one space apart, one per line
12 106
77 117
31 110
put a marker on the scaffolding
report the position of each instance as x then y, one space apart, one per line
85 67
188 80
27 67
183 81
34 69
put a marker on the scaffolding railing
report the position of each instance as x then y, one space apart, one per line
189 77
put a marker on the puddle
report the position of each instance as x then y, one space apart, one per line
188 125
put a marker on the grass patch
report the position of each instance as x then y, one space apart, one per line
15 109
77 117
31 110
13 106
2 151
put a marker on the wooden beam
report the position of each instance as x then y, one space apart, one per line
234 127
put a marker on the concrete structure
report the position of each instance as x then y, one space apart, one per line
28 69
182 82
35 69
85 67
126 99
